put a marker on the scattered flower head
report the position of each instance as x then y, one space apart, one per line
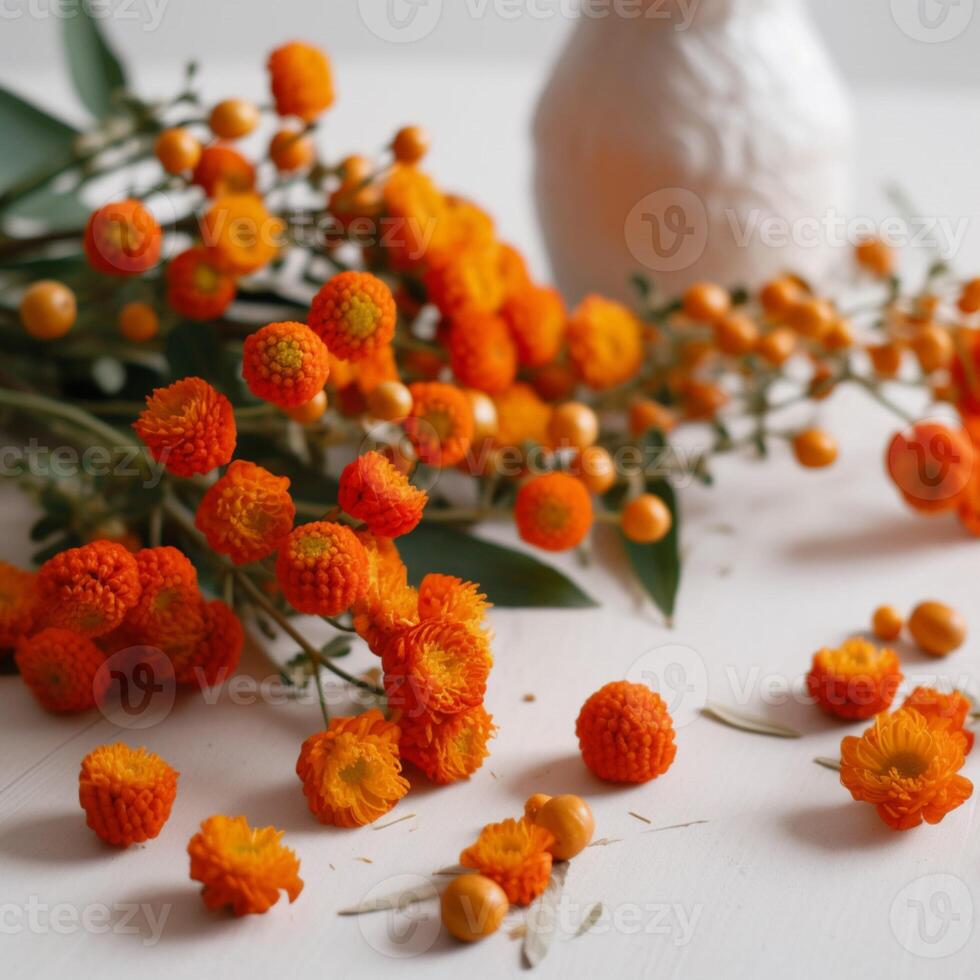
855 680
61 668
375 492
285 363
449 748
514 854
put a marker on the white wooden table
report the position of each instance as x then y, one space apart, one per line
788 877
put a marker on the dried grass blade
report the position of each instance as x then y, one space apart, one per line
542 917
748 723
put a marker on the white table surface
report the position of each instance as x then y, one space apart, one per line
788 878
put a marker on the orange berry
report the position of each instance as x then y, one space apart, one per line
354 314
301 80
887 623
625 733
553 511
223 170
138 322
233 118
569 820
822 382
391 400
814 448
177 151
736 334
354 171
48 309
933 348
61 668
290 150
856 680
839 336
410 144
936 628
484 414
777 346
285 363
779 295
646 414
311 411
375 492
875 257
534 803
554 382
969 301
706 302
573 425
473 907
122 239
811 317
702 399
931 464
595 468
886 359
646 519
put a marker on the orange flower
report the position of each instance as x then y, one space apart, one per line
482 354
285 363
242 233
126 793
514 854
18 603
950 711
88 589
466 280
625 733
215 653
536 316
354 314
447 597
521 416
322 568
441 424
553 511
856 680
605 341
197 287
388 602
351 773
373 491
241 866
223 170
462 226
415 209
122 239
60 667
302 84
450 748
907 767
168 605
188 426
436 667
246 513
931 464
513 270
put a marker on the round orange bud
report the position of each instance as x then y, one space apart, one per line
706 302
876 257
553 511
301 80
931 465
936 628
122 239
814 448
933 348
534 803
473 907
354 171
290 150
702 400
887 623
48 309
646 414
886 359
569 820
777 346
410 144
389 401
285 363
625 733
138 322
233 118
969 301
779 295
646 519
311 411
736 334
822 382
223 170
811 317
595 468
573 425
839 336
177 151
354 314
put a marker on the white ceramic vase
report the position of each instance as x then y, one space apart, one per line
688 140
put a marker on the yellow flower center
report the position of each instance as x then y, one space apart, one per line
286 355
361 316
205 278
908 765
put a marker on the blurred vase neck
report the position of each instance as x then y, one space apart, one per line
675 15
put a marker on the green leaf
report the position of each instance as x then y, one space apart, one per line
658 566
95 70
510 578
55 210
32 140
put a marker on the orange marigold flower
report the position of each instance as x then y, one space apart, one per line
855 680
215 654
951 711
322 568
441 424
241 866
513 270
416 211
388 602
61 668
351 772
514 854
553 511
536 317
625 733
223 170
89 589
354 314
466 280
242 233
521 416
482 353
605 341
448 748
197 287
464 225
246 513
448 597
168 605
188 426
285 363
18 603
373 491
907 767
436 667
302 83
122 239
127 794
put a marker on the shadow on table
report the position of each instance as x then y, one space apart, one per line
562 774
282 805
183 915
846 826
53 840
